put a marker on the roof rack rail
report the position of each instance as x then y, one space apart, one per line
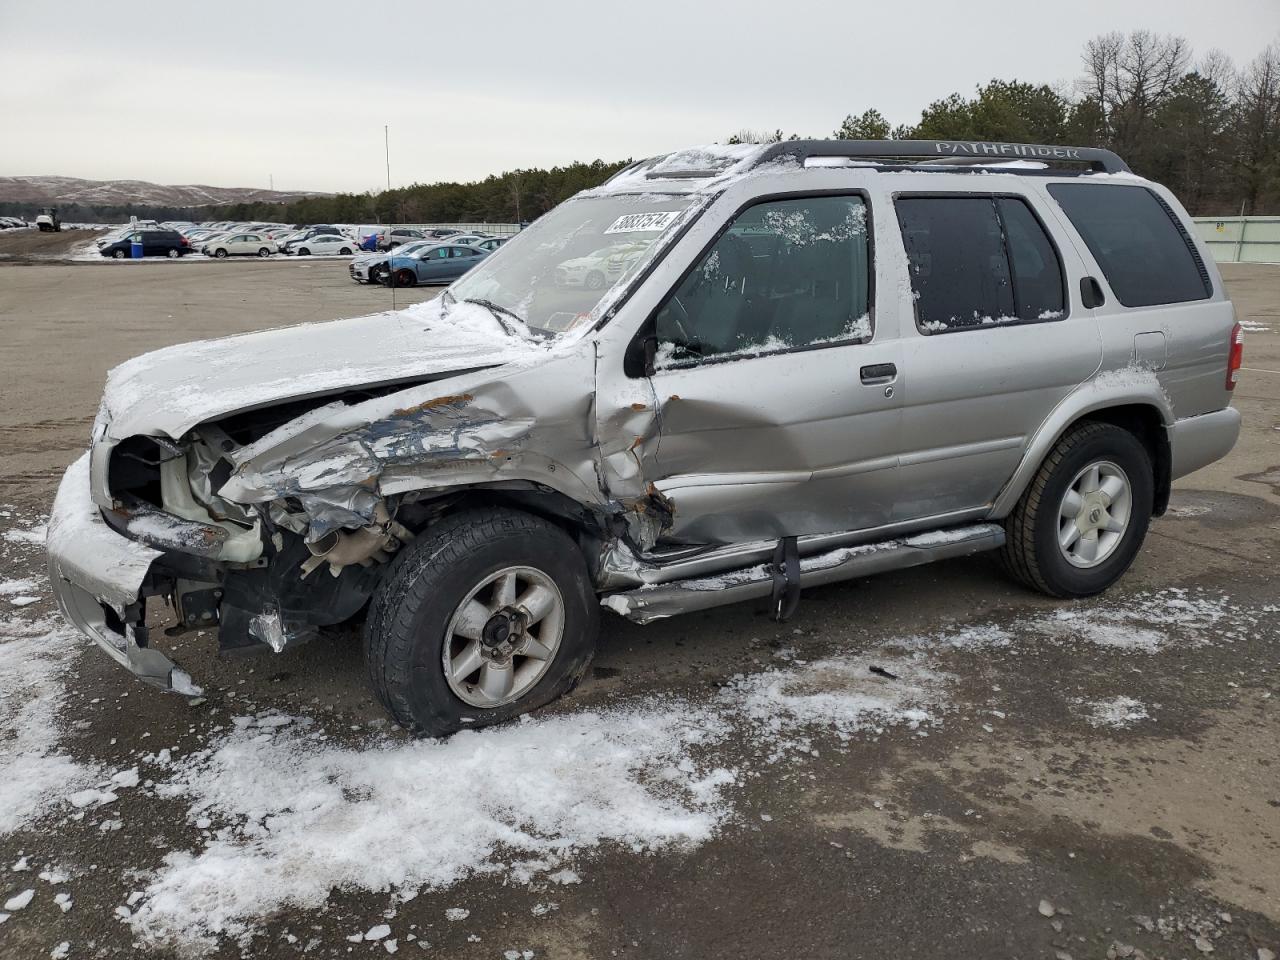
952 151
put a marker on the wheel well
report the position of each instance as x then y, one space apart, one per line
585 526
1145 423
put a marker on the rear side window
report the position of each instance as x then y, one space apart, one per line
979 261
1147 257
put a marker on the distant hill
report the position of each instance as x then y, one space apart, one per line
71 190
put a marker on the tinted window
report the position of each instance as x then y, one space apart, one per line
788 273
1038 288
978 261
1143 251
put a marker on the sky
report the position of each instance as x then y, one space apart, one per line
252 93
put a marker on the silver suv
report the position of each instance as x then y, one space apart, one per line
826 359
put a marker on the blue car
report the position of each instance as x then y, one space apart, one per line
439 264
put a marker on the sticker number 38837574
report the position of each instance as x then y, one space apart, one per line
643 222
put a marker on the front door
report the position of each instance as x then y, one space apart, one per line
779 414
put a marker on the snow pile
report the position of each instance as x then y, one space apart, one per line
1116 712
303 816
33 772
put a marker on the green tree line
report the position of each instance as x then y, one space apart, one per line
1205 127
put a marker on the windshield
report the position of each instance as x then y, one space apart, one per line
555 273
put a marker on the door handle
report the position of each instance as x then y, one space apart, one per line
879 373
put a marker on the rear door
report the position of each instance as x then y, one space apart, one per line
779 413
999 339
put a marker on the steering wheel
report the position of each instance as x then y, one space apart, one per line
679 318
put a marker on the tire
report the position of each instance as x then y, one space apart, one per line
304 252
404 278
421 595
375 275
594 280
1033 552
344 252
173 253
264 253
119 254
220 254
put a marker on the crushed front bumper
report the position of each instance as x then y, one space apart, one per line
97 577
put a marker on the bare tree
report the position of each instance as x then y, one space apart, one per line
1129 76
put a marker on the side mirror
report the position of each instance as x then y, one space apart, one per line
650 348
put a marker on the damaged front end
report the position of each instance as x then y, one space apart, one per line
266 525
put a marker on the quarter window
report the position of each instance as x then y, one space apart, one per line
1144 252
979 261
785 274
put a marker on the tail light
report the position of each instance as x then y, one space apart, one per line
1236 357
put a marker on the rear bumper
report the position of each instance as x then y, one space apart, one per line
1196 442
97 577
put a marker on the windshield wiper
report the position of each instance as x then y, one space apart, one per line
501 313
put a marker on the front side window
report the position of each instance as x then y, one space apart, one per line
1145 254
785 274
978 261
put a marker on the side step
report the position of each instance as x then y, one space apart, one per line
653 602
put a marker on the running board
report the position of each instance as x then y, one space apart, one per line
653 602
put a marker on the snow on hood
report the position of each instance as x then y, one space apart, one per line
169 391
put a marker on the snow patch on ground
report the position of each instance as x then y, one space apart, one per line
1143 624
297 815
32 536
34 773
1116 712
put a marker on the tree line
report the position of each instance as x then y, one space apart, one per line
1203 126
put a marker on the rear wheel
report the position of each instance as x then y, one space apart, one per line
264 252
487 615
1082 520
594 280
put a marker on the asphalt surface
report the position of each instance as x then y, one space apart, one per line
1010 825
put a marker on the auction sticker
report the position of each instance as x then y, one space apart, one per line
643 222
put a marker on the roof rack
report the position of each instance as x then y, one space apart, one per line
943 151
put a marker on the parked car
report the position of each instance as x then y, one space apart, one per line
432 264
321 244
240 245
765 400
389 239
490 244
599 267
155 243
372 267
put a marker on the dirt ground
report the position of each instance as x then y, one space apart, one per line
1025 817
32 245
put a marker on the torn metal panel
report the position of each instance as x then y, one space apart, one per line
339 462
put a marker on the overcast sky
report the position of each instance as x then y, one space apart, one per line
231 93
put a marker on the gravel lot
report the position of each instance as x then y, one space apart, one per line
1097 779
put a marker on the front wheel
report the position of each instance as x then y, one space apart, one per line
1080 523
487 615
404 278
344 252
119 254
304 252
220 254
